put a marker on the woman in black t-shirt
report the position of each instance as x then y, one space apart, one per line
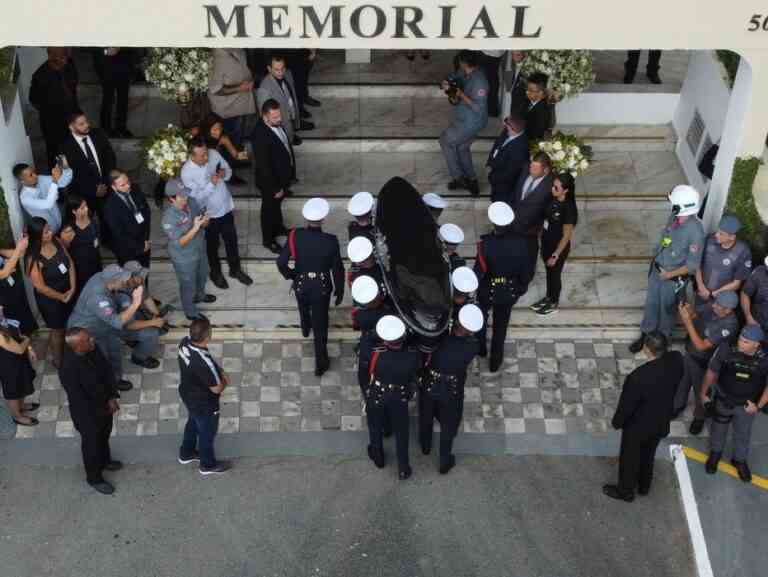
562 216
80 236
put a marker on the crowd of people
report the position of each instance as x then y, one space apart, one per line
92 310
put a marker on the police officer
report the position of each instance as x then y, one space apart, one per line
706 331
442 390
148 315
360 253
470 88
452 236
97 311
317 272
677 255
502 267
754 297
360 206
184 225
392 373
435 204
725 263
740 373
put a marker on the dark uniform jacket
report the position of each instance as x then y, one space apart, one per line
317 252
369 231
128 235
398 368
646 403
86 176
90 382
502 257
452 358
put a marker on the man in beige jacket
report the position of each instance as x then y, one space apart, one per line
230 90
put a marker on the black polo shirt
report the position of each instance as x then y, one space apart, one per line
199 372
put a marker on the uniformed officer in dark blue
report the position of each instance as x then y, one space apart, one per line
452 236
316 274
392 376
737 374
465 285
725 264
442 389
470 93
706 331
501 266
754 297
363 262
677 256
360 206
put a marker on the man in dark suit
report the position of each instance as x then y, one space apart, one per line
128 218
643 415
532 195
507 159
53 93
91 158
538 116
515 101
114 67
275 167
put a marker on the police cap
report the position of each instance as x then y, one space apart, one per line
727 299
114 273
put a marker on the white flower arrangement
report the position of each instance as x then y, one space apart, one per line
165 151
567 152
178 72
570 71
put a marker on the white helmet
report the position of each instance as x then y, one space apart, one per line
685 200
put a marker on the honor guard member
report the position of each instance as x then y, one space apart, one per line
677 255
442 390
360 206
392 374
754 297
502 267
465 283
317 272
725 263
435 204
360 253
97 311
184 224
706 331
452 236
737 374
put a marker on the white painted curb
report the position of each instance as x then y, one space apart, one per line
700 553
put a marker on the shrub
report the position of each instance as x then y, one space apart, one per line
741 202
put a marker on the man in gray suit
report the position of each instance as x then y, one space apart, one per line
278 85
530 200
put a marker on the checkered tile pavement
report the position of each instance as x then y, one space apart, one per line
550 387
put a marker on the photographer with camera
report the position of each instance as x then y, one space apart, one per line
467 88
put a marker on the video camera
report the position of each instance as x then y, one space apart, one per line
452 90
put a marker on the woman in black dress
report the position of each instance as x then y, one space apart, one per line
562 216
80 236
215 137
13 295
52 272
16 373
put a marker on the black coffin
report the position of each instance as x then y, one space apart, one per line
411 257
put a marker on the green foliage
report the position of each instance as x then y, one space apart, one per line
6 62
730 61
6 234
741 202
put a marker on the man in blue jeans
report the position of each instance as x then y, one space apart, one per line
202 382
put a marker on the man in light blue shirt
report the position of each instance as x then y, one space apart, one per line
40 193
205 175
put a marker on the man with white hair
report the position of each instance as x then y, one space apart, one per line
317 273
442 389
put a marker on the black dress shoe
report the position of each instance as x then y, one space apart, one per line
377 456
274 247
654 78
426 447
31 407
643 491
113 466
712 461
237 181
743 469
614 492
123 385
495 366
33 422
483 352
457 184
219 281
696 426
296 140
445 467
305 113
637 346
207 299
148 363
241 276
629 78
312 101
405 473
306 125
473 187
305 331
103 487
321 367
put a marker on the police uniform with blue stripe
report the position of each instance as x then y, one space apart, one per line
317 273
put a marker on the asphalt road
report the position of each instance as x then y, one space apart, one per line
335 516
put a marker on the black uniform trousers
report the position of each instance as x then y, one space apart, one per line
313 313
272 224
94 444
446 409
636 462
633 59
501 315
54 128
225 227
395 411
115 85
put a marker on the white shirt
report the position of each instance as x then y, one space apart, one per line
41 200
530 185
216 199
79 140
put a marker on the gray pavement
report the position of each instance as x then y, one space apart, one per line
338 516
